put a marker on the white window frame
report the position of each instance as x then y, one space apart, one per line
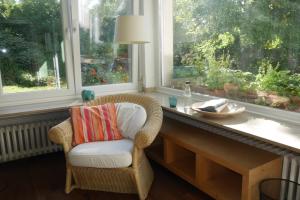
109 88
166 67
73 68
21 98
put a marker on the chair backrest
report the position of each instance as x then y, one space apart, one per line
153 110
131 118
147 102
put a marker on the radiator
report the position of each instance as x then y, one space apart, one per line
290 171
26 140
291 168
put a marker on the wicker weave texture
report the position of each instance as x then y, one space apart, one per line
134 179
111 180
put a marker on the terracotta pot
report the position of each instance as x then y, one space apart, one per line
200 89
278 101
230 87
251 94
219 92
295 100
262 94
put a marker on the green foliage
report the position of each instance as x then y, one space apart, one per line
31 31
280 81
238 77
253 44
22 54
185 71
293 86
248 30
215 78
104 51
117 77
26 80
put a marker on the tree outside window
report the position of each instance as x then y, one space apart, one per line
247 50
31 46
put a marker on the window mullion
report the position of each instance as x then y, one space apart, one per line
76 44
167 41
1 88
68 44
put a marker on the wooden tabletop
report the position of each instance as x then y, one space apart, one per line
278 132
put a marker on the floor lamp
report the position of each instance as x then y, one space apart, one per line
132 30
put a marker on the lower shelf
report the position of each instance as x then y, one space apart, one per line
155 152
226 186
185 167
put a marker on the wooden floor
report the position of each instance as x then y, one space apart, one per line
43 178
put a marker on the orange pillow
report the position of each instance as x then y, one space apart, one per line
94 123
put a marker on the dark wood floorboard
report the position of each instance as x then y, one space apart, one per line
43 178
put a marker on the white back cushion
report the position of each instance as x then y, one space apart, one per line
130 118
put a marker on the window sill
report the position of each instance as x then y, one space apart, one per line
268 112
43 105
279 132
38 107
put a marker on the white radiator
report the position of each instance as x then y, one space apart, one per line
291 168
290 171
25 140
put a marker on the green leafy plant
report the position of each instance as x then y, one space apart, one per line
215 78
293 86
281 82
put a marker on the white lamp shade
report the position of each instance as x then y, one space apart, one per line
130 30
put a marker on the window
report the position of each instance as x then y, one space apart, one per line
31 46
102 61
246 50
54 48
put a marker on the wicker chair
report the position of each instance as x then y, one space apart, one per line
136 178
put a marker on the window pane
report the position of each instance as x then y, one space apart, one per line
247 50
31 46
102 61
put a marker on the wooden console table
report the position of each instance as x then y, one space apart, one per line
223 168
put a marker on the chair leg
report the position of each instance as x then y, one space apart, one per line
144 178
68 188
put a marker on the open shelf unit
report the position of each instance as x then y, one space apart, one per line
220 182
180 160
223 168
156 150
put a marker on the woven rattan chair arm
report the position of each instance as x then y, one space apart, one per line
62 134
147 134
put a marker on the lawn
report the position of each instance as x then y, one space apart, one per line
16 89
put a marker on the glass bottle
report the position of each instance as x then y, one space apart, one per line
187 94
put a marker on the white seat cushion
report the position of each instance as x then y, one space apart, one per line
130 118
104 154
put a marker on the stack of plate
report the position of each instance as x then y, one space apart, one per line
228 110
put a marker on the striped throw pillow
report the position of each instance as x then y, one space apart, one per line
94 123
